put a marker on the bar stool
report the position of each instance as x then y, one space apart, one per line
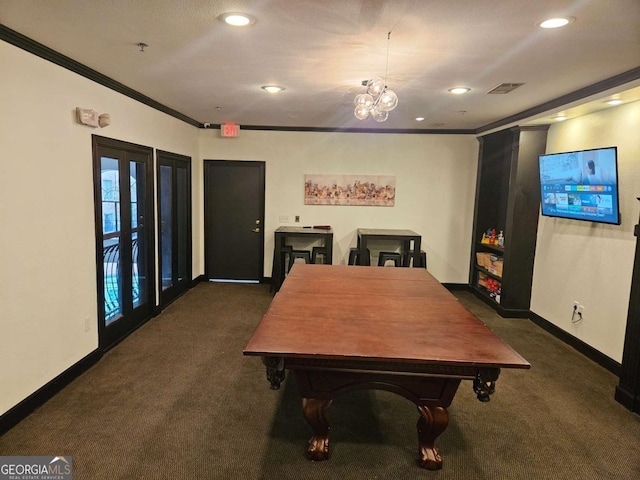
394 256
354 256
319 251
303 254
285 255
422 262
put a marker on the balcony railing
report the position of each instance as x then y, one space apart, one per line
113 279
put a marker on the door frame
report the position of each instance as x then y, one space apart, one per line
208 165
146 310
177 289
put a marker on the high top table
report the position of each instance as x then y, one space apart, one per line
280 240
343 328
405 237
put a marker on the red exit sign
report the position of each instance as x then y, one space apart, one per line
229 130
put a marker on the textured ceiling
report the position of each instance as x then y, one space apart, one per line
321 50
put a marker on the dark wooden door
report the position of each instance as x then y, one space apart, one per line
234 219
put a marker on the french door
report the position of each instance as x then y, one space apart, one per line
174 224
123 193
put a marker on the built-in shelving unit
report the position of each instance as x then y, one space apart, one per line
508 201
488 275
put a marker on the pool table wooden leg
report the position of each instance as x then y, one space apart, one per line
432 422
315 412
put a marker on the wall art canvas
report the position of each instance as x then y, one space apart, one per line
374 190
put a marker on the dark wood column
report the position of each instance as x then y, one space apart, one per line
628 390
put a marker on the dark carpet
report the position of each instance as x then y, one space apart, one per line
178 400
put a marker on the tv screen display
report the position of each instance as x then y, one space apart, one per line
581 185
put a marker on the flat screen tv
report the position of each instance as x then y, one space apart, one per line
581 185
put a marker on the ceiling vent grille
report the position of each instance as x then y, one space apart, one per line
504 88
436 124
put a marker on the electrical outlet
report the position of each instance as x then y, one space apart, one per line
577 308
283 219
297 218
576 312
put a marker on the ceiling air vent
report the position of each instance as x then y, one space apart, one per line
504 88
436 124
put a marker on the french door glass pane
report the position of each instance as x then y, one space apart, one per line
111 235
112 280
139 282
182 220
166 226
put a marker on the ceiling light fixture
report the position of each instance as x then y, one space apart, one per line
419 119
379 100
614 101
556 22
237 19
272 88
559 118
459 90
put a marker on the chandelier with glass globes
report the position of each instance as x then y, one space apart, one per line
379 100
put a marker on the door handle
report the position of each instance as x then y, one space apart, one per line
256 230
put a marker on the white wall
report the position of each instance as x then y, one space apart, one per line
435 186
47 239
587 262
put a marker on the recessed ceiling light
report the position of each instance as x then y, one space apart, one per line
237 19
559 118
614 101
459 90
272 88
556 22
419 119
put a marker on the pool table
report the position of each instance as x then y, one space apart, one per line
342 328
